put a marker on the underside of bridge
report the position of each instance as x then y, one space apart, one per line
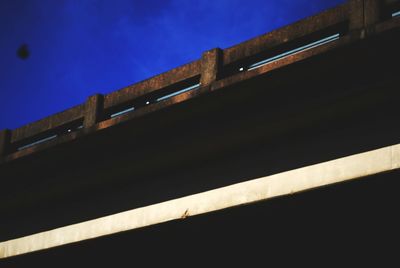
351 223
342 102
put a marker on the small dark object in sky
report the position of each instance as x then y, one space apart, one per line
23 52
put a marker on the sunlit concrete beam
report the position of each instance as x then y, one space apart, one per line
285 183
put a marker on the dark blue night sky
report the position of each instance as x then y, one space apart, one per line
81 47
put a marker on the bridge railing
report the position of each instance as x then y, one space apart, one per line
354 18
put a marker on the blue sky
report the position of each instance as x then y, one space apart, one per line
81 47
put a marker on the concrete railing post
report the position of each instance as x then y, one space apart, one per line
211 63
372 12
356 13
93 110
364 13
5 141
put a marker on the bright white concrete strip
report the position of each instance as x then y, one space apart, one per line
297 180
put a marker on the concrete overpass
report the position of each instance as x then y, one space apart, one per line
212 152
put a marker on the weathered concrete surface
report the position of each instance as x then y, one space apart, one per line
211 64
357 17
150 85
290 182
270 41
353 222
327 108
320 104
48 123
354 21
93 110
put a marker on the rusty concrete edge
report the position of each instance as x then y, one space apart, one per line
176 75
285 61
352 37
187 71
44 146
388 25
105 124
287 33
47 123
217 85
256 190
172 76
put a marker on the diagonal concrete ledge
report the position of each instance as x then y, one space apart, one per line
289 182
